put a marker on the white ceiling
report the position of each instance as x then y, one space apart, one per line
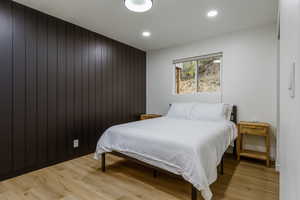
171 22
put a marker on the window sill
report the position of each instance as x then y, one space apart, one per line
197 94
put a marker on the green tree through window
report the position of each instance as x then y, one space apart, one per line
201 75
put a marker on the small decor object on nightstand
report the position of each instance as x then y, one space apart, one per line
258 129
149 116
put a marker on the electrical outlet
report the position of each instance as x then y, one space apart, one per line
76 143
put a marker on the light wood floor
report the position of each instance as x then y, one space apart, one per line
82 179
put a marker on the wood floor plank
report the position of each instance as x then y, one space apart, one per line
82 179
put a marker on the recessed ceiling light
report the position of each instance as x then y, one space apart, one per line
139 5
146 34
212 13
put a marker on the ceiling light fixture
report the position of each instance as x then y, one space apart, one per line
138 5
146 34
212 13
217 61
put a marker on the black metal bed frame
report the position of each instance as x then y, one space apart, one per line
156 169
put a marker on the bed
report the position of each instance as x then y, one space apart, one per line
192 148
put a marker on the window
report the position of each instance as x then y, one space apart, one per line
199 74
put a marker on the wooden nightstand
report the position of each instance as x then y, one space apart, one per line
149 116
258 129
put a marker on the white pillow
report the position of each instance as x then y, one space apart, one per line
227 111
206 111
180 110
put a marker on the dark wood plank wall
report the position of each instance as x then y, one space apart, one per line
59 82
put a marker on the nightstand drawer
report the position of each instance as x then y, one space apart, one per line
254 130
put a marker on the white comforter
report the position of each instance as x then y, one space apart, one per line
192 149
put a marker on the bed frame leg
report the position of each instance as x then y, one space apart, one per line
222 166
234 149
194 193
155 173
103 162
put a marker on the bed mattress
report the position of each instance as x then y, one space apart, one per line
190 148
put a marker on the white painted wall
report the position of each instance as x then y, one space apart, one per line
289 107
249 75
